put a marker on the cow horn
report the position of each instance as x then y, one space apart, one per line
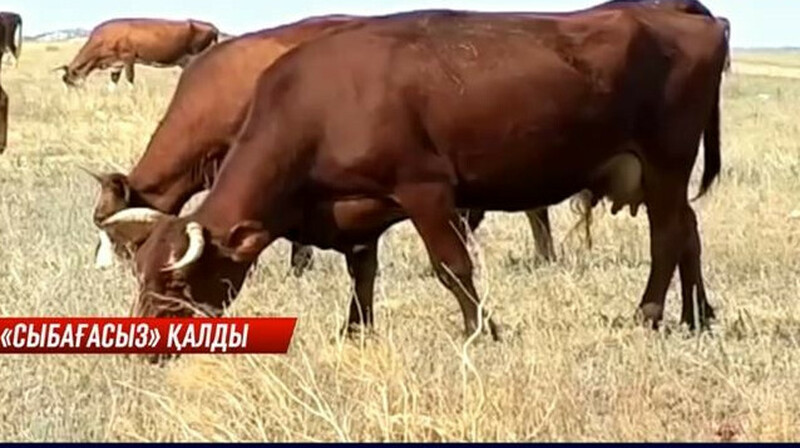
136 214
195 250
61 67
96 176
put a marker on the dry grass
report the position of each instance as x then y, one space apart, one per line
573 366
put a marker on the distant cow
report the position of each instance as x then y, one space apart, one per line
119 44
415 115
11 40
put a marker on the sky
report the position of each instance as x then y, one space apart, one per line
754 23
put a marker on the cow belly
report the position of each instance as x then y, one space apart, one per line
617 177
522 180
337 224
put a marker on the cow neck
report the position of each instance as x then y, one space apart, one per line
162 193
164 182
254 185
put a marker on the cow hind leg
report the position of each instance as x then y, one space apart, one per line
665 205
539 220
3 120
695 312
362 265
469 221
473 218
432 211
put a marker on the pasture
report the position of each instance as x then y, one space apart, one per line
574 365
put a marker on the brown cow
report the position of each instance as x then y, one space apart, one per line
206 111
119 44
416 114
10 39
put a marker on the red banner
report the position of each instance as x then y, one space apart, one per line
145 336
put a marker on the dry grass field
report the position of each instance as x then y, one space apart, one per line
574 365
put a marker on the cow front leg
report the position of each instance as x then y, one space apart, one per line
432 211
116 73
362 265
130 73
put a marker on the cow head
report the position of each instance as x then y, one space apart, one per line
70 77
114 196
182 270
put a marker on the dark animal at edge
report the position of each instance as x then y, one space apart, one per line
10 40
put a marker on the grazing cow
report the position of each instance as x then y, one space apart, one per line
119 44
11 40
415 115
206 111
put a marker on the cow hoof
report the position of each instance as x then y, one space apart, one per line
494 328
355 332
704 322
489 326
652 313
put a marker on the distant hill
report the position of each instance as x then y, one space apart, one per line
768 49
60 35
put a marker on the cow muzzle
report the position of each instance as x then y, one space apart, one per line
68 79
152 304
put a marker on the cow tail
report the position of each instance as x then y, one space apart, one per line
727 26
711 145
18 44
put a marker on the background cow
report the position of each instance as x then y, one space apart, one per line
206 111
11 40
121 43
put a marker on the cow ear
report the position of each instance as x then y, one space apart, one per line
118 183
246 240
